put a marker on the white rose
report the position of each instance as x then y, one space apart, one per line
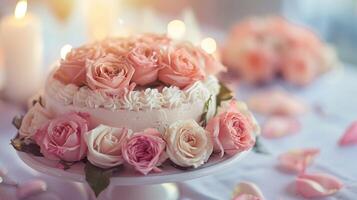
34 119
105 144
187 144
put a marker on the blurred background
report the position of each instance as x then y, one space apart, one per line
69 21
31 44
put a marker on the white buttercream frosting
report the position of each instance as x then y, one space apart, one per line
62 93
148 99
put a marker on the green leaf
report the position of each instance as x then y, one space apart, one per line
97 178
203 119
224 94
259 147
17 121
26 145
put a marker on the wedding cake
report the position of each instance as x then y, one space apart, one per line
139 101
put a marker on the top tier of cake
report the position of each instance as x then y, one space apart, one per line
137 82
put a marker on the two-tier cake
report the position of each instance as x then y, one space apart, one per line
138 101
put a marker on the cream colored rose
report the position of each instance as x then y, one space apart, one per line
34 119
105 145
187 144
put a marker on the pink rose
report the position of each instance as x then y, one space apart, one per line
181 68
72 69
145 150
118 46
110 74
207 62
232 132
145 59
299 67
63 138
157 39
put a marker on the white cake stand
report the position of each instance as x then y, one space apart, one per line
128 184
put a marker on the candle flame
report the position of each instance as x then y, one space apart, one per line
65 50
21 8
176 29
209 45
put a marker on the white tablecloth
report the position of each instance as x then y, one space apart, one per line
335 92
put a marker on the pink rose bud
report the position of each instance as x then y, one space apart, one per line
144 150
317 185
30 188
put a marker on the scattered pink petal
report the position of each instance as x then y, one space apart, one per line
317 185
30 188
246 197
3 171
247 191
279 126
297 160
350 136
277 102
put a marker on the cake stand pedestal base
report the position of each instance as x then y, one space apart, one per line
167 191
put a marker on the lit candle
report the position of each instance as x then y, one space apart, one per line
101 17
22 48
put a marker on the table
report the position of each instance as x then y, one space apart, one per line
335 92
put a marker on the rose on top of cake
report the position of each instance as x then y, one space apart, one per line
139 101
118 65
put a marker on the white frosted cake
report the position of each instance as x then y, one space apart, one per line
138 109
144 101
152 103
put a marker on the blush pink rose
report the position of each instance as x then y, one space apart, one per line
232 131
145 150
207 62
110 74
63 137
72 68
118 46
144 59
181 68
299 67
157 39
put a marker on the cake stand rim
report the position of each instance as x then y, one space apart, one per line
30 161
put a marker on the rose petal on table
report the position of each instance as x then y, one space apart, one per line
3 171
277 102
279 126
246 197
317 185
30 188
247 191
297 160
350 135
